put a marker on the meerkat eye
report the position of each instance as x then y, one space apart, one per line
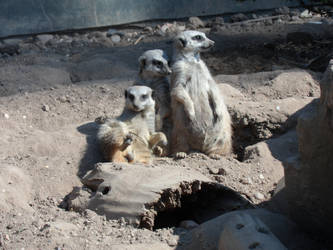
131 97
197 37
144 97
157 63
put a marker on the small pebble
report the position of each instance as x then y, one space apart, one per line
46 108
213 170
223 171
261 177
115 38
6 116
259 196
6 237
246 181
172 242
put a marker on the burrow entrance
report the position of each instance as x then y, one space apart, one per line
195 201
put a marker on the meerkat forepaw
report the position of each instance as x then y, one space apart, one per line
101 119
158 151
180 155
215 156
128 140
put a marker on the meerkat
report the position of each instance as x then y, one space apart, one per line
131 137
201 121
154 71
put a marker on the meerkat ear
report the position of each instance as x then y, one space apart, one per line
142 62
180 42
153 95
126 93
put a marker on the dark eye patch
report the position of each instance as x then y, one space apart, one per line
158 63
131 97
197 37
144 97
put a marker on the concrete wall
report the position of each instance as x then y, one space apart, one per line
18 17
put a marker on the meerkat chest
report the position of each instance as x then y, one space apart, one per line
197 78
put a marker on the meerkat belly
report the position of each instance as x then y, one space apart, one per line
139 130
198 87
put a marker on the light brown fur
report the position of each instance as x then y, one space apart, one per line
131 137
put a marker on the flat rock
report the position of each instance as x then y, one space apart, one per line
123 190
45 38
196 22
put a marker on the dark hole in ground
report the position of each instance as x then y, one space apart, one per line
210 201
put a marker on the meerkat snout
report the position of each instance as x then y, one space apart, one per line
154 63
139 98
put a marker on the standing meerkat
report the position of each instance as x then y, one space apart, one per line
154 70
131 137
200 117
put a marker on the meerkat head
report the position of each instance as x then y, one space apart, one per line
154 64
192 41
139 98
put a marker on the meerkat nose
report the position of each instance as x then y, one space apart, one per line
135 106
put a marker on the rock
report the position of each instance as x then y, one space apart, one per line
148 29
165 28
97 34
172 242
223 171
123 190
115 38
213 170
243 231
188 224
313 174
295 18
6 237
196 22
268 22
306 14
259 196
44 38
46 108
206 236
12 41
218 20
9 49
247 181
238 18
112 32
282 11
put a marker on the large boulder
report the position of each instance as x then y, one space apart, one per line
308 180
211 235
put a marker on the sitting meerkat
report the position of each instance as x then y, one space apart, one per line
153 73
131 137
200 117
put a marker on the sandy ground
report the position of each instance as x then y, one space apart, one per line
51 94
